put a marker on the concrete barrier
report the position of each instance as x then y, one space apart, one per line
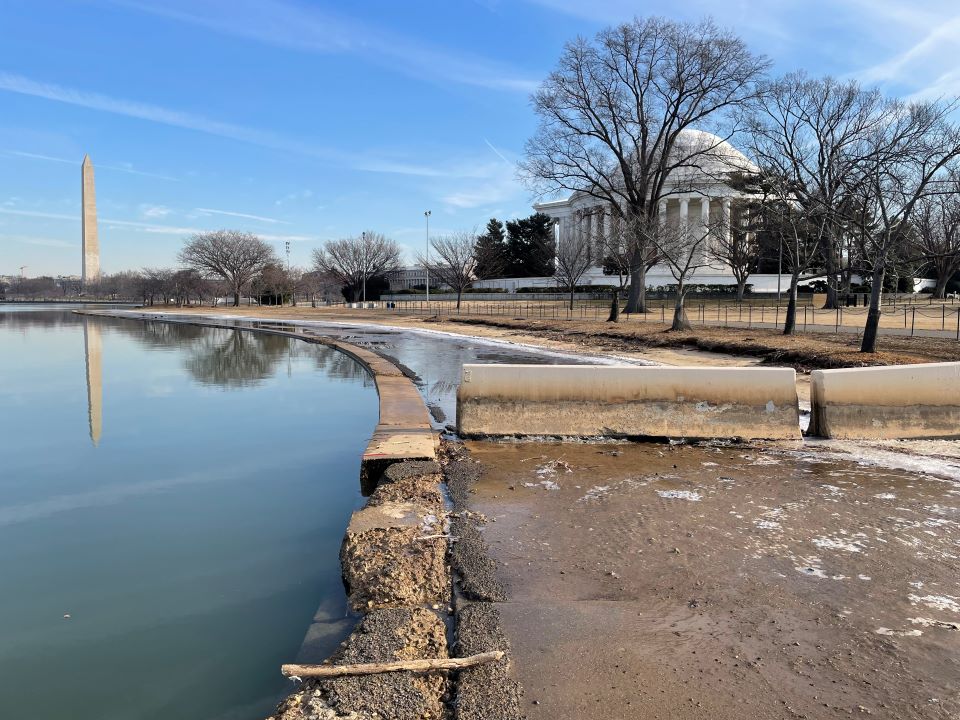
898 401
628 401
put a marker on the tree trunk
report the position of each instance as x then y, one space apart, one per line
637 298
572 291
790 322
741 286
680 319
869 343
459 295
940 289
615 307
833 264
236 297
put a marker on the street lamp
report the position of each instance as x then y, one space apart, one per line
289 283
426 264
364 242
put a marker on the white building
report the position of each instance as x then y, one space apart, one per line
693 198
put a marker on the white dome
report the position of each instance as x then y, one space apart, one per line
718 156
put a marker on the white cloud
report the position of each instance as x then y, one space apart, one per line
155 113
154 211
306 28
246 216
123 167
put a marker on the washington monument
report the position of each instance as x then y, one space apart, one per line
91 245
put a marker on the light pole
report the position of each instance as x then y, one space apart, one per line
364 270
289 283
426 265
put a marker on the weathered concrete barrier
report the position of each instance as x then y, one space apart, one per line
628 401
898 401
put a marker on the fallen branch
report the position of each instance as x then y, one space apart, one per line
327 671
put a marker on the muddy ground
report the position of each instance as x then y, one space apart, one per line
658 581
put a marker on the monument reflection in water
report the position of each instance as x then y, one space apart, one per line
166 565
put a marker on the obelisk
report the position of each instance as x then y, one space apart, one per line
91 244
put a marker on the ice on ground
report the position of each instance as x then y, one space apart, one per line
833 543
680 495
548 484
937 602
885 496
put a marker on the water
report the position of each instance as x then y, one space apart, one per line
180 493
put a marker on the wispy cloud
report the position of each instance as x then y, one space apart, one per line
306 28
147 227
154 211
119 168
246 216
41 241
166 116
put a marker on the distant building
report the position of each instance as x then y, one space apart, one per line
693 198
408 278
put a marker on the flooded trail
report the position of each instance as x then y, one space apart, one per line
723 582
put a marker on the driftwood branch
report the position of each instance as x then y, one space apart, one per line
328 671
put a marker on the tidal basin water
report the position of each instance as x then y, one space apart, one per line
172 501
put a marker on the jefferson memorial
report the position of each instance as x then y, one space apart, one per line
694 197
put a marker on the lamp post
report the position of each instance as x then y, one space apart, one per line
426 264
289 283
779 269
364 270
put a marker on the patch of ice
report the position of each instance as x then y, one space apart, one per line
547 484
947 603
927 622
832 489
680 495
885 496
832 543
767 524
595 493
900 633
864 577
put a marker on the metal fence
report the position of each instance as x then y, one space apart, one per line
911 318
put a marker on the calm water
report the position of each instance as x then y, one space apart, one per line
181 494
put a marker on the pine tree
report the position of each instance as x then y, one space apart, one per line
530 247
490 251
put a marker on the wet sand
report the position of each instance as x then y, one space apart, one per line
659 581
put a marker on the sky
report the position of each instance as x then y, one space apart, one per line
306 121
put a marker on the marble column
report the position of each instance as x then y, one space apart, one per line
684 215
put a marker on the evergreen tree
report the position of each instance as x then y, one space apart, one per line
490 251
530 247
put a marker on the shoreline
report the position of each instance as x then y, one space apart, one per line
400 569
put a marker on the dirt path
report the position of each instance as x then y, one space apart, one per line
650 581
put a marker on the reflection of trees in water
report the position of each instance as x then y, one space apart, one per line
214 356
339 365
231 358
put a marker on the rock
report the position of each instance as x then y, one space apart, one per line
384 561
382 636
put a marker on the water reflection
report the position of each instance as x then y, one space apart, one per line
162 548
93 352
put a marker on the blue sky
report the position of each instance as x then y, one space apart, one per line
305 121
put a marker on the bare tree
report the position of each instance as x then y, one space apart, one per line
353 261
908 154
572 259
683 250
232 255
734 243
459 260
808 137
937 234
614 112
